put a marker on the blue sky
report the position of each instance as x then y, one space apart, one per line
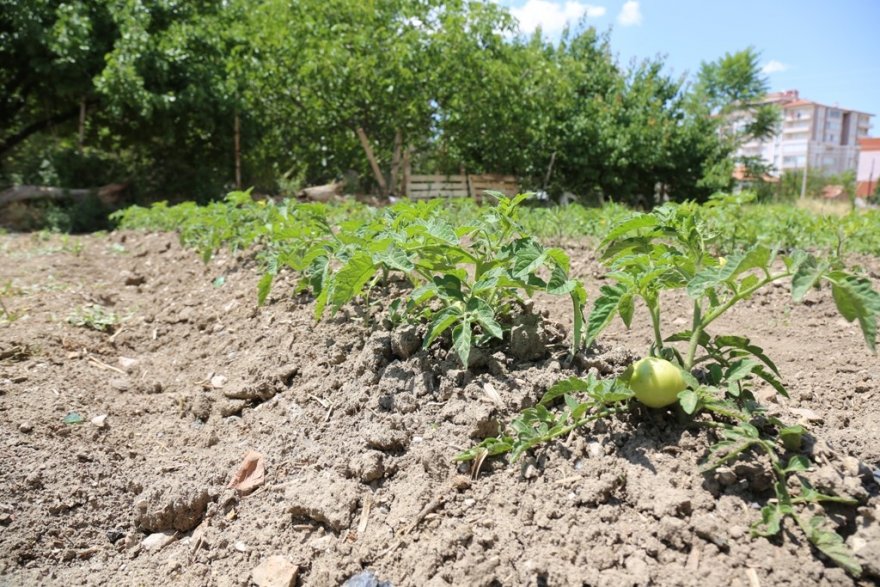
829 51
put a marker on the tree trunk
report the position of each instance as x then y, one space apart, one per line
395 163
407 170
365 143
82 124
237 140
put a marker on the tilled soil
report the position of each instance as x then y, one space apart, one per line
356 429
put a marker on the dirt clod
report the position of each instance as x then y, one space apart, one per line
323 498
171 505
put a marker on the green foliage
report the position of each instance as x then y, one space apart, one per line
94 317
673 249
468 281
161 85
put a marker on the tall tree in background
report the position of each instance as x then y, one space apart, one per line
731 90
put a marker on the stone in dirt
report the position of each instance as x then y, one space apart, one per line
324 498
250 474
275 571
366 579
865 543
405 341
527 338
171 505
157 541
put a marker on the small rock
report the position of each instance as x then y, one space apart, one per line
324 498
157 541
240 546
25 428
114 535
725 475
120 384
127 363
275 571
218 381
405 341
100 421
368 466
527 339
366 579
461 482
806 415
133 279
171 504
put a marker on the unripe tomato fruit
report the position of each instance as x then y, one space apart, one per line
656 382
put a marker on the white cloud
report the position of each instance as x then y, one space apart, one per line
773 66
630 14
553 16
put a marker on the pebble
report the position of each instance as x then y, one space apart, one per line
25 428
366 579
157 541
275 571
100 421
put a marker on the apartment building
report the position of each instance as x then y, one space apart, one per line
824 138
868 174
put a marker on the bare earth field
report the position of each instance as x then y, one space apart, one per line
357 428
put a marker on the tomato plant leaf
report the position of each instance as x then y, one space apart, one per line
856 300
485 317
442 321
264 287
809 272
350 280
461 341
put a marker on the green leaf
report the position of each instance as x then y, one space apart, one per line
808 273
461 341
771 521
832 545
442 321
394 258
604 309
797 464
792 437
528 256
740 369
485 317
449 287
559 283
689 401
350 280
856 300
635 223
565 387
264 287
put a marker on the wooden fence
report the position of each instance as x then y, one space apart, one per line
424 187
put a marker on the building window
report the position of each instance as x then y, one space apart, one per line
834 114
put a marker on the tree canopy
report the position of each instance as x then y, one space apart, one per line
160 93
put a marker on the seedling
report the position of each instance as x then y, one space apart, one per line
95 317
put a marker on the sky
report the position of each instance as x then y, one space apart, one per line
829 50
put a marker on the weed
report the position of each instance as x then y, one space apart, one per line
94 317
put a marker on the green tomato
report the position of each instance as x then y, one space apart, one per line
656 382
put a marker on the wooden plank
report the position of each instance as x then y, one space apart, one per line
437 186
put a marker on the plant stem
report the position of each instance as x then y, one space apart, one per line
696 331
654 310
